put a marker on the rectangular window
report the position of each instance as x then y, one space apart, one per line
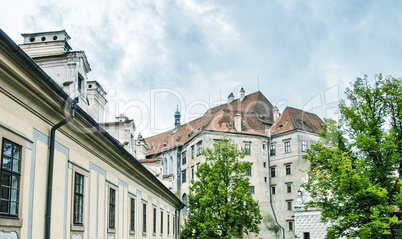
192 152
112 208
247 147
161 222
154 221
287 146
10 178
252 189
199 148
248 172
306 235
273 190
183 176
80 83
192 172
144 217
168 225
183 158
304 145
198 165
288 169
272 150
174 225
288 187
78 198
273 172
289 205
132 214
265 179
290 225
265 164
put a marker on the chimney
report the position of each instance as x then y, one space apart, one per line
276 113
231 97
242 94
140 147
96 101
237 122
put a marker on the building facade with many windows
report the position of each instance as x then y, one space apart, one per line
62 175
277 166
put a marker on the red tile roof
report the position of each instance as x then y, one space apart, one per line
256 117
293 118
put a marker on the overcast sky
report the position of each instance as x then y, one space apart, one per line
152 55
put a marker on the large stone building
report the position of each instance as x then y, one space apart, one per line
62 175
174 156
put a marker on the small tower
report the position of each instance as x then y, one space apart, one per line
231 97
177 118
242 94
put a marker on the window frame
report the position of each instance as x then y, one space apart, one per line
183 158
112 204
183 176
192 152
161 221
132 220
247 147
81 195
252 189
289 205
287 148
192 172
144 217
168 223
304 145
12 174
272 149
290 225
84 172
288 187
273 189
199 148
272 172
288 169
154 220
248 172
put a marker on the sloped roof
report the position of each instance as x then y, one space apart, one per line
256 117
293 118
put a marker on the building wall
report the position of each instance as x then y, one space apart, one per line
259 172
28 110
309 222
299 168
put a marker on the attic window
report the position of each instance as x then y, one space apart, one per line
189 135
230 126
32 39
43 38
303 122
164 144
54 38
280 126
200 129
262 117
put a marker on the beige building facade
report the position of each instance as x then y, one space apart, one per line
91 187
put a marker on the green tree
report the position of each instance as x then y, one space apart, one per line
354 175
220 204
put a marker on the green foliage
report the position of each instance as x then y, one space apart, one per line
220 204
354 175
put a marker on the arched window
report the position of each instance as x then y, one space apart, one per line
170 165
184 199
164 166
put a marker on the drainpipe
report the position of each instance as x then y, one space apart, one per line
177 212
73 106
269 181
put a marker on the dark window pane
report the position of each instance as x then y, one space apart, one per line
16 165
4 206
5 193
5 179
17 152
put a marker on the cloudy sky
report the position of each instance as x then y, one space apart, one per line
152 55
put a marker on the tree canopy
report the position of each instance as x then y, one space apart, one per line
356 167
220 204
